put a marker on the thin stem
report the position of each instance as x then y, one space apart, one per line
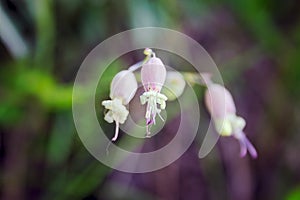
136 66
162 119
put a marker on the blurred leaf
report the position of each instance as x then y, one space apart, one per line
61 138
42 86
45 27
84 183
9 113
258 20
294 194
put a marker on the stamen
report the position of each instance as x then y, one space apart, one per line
153 99
246 145
243 147
116 112
251 148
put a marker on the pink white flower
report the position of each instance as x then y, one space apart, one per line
122 89
153 75
221 106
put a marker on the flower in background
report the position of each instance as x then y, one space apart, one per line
221 107
174 85
153 76
122 90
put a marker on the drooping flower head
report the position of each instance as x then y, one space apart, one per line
220 105
122 89
153 76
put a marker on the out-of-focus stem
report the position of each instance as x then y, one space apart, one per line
11 37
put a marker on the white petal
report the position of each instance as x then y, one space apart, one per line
123 86
153 74
219 101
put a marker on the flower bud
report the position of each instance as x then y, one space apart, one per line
220 105
148 52
174 85
122 90
219 101
123 86
153 74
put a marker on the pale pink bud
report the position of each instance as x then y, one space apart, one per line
220 105
122 90
219 101
123 86
148 52
153 74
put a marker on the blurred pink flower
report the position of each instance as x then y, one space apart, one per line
220 104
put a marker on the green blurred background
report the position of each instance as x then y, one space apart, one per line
254 43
